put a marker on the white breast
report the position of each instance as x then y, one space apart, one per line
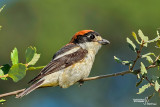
76 72
81 69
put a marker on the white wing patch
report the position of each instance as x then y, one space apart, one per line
68 52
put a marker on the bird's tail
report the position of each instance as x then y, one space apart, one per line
30 89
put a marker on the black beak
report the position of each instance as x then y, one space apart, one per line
104 42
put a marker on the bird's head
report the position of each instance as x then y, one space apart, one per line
89 40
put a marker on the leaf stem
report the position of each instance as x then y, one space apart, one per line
6 75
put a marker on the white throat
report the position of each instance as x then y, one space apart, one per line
91 47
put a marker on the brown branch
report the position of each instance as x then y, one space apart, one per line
106 76
93 78
11 93
86 79
138 56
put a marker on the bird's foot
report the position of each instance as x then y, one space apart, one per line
81 83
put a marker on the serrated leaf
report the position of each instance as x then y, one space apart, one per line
132 46
135 37
156 86
143 69
34 59
35 68
30 51
143 88
17 72
143 38
14 56
4 70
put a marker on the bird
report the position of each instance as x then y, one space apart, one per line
71 64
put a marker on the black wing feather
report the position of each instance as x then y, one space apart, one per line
61 63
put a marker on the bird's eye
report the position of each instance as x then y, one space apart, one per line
92 36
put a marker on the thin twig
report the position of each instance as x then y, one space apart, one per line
86 79
11 93
94 78
105 76
138 56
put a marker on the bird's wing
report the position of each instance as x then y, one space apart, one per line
63 50
62 61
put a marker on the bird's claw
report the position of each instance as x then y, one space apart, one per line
81 83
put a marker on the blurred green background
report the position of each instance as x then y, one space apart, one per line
50 24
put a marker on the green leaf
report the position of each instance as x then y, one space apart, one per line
143 69
35 68
148 58
127 63
148 54
143 88
132 46
143 38
135 37
155 39
2 101
156 86
30 51
31 56
2 8
14 56
17 72
117 59
0 11
4 70
34 59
